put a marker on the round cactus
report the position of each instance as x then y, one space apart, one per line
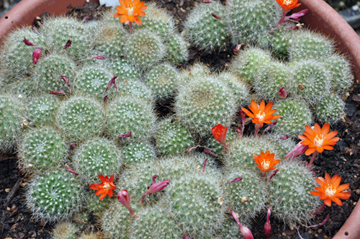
249 21
157 21
144 49
271 77
111 38
311 80
54 196
42 109
94 205
330 109
94 157
203 103
237 85
12 113
135 89
205 31
58 31
294 116
92 82
248 63
281 146
246 197
48 74
176 49
42 149
162 80
137 153
309 45
16 61
80 118
172 138
280 41
342 78
124 70
290 196
127 114
65 230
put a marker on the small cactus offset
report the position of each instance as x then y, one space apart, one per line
137 153
41 110
176 49
65 230
330 109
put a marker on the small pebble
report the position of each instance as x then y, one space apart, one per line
7 190
284 234
357 191
8 209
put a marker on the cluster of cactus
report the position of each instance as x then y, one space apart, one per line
103 119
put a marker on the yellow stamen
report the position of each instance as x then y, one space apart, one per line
265 164
261 116
130 10
318 140
287 2
329 191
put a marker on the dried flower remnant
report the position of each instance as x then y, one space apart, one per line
267 226
68 44
104 188
216 16
266 161
36 55
282 93
125 135
98 57
154 188
219 133
111 82
28 43
318 139
331 190
238 179
204 164
68 168
57 92
124 199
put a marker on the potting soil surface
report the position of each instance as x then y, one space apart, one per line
16 220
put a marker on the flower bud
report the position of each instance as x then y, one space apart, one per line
28 43
124 199
36 55
154 188
267 226
68 44
125 135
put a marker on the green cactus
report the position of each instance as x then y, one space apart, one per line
80 118
94 205
237 85
138 152
176 49
54 195
41 110
42 149
94 157
124 70
280 41
330 109
64 230
135 89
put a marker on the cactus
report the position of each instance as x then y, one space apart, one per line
205 31
12 113
290 196
250 21
92 81
162 80
176 49
203 103
342 78
127 114
218 148
94 157
135 89
281 147
65 230
54 196
294 116
246 197
94 205
47 76
157 21
144 49
137 153
124 70
172 138
42 149
280 41
271 77
248 63
237 85
330 109
80 118
41 110
309 45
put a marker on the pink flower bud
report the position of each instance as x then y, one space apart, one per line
36 55
66 80
267 226
28 43
215 16
297 151
270 126
125 135
284 137
98 57
190 149
68 168
154 188
86 18
295 28
206 1
72 146
204 164
57 92
297 16
68 44
236 180
237 48
124 199
282 93
106 98
111 82
209 152
245 232
186 237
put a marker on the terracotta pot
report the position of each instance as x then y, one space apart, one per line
321 17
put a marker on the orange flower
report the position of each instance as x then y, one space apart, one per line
130 11
261 114
288 4
318 139
219 133
104 188
266 161
331 190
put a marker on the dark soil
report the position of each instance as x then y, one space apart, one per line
16 220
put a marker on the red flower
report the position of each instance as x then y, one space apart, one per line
219 133
266 161
288 4
262 113
104 188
